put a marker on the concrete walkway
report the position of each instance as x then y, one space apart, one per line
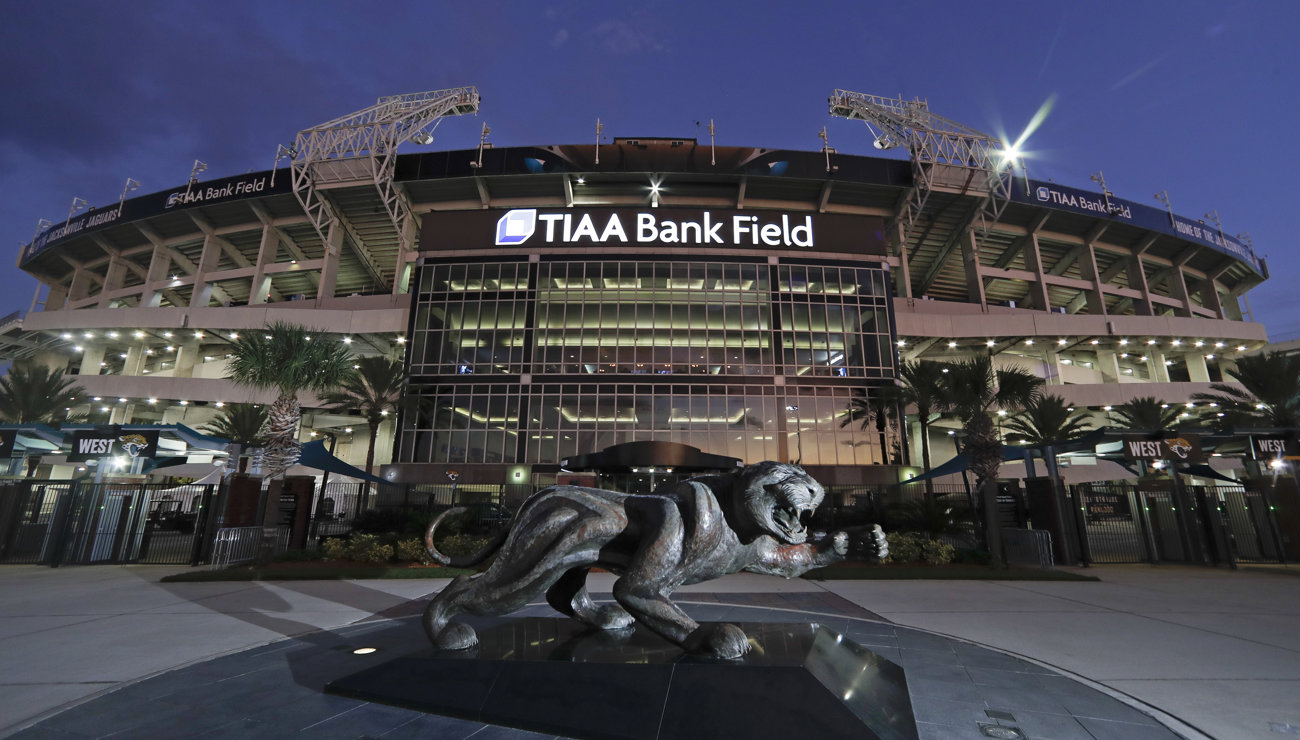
1207 652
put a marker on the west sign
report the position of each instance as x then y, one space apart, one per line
1183 448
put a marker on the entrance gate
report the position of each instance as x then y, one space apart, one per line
1155 522
80 522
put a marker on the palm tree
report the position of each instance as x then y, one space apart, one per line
973 389
34 393
923 387
878 407
288 358
1268 396
1146 413
241 424
375 388
1048 420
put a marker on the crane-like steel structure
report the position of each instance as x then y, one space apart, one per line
362 147
946 157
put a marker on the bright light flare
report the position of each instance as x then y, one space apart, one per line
1013 151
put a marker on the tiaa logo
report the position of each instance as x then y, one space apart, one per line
1044 193
516 226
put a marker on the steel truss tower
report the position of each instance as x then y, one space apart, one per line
946 157
361 147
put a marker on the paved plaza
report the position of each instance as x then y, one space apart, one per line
1147 652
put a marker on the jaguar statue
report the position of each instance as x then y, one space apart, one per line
754 520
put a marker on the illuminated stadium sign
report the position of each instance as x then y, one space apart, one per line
251 185
535 227
519 225
1065 198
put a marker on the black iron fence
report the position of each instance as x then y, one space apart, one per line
81 522
1159 521
66 522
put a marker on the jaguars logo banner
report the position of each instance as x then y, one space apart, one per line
94 444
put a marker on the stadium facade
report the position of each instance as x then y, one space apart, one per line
596 307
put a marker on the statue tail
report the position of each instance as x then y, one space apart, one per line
467 561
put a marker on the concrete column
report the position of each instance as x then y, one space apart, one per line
1038 296
329 273
186 356
160 265
1137 280
80 287
1108 364
56 297
1156 366
1096 298
1197 370
260 290
122 413
91 356
113 278
898 244
970 258
208 261
1053 366
1209 291
1178 290
134 360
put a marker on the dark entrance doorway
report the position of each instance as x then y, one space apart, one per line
643 466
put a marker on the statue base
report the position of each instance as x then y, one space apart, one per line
557 676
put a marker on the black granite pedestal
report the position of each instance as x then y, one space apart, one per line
556 676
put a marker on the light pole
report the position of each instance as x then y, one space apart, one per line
798 439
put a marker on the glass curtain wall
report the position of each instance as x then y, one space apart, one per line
582 355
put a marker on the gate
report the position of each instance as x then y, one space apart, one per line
1156 521
80 522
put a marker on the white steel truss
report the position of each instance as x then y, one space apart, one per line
945 155
362 147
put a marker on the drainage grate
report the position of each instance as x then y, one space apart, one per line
999 714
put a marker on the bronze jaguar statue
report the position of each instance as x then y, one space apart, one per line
706 527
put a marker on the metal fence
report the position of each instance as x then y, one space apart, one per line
237 545
1158 521
81 522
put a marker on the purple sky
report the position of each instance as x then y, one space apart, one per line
1184 96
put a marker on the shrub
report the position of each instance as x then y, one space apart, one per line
335 548
411 551
362 548
461 545
913 547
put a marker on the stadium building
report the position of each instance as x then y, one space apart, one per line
635 308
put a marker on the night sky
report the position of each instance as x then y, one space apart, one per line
1195 98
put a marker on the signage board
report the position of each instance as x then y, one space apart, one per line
251 185
1182 448
531 228
1107 506
1264 447
92 444
1103 205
